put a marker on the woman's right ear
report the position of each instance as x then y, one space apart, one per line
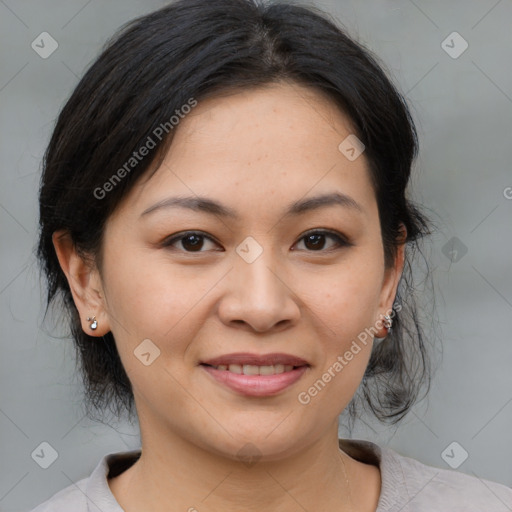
84 282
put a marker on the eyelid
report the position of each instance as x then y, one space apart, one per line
324 231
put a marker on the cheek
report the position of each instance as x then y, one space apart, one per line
147 297
342 317
153 298
344 303
345 299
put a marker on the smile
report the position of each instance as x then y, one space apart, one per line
251 369
255 381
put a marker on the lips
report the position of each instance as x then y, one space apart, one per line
255 375
255 385
245 358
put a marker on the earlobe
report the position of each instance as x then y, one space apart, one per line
84 283
391 280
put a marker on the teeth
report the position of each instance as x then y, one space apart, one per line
251 369
265 370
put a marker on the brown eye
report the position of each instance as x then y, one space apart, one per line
190 241
315 241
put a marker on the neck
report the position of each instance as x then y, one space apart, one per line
191 478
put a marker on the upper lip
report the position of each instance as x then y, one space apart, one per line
256 359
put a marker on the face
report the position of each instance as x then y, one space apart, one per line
266 270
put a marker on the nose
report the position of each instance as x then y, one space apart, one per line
258 296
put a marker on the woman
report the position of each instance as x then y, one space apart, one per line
223 211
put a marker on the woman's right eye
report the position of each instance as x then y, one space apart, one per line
191 241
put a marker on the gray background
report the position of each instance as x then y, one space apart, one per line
463 107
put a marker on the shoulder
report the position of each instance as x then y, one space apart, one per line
92 494
70 498
408 485
423 488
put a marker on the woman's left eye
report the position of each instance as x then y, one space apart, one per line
314 241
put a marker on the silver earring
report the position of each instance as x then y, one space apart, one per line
388 322
94 323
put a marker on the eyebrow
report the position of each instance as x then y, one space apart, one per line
207 205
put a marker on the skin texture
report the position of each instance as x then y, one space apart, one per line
256 152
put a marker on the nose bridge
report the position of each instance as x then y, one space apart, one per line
257 295
256 270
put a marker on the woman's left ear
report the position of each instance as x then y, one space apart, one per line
392 276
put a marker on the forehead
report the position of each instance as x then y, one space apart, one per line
259 148
252 118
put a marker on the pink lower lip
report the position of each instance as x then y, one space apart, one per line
256 385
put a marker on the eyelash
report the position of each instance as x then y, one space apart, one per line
338 237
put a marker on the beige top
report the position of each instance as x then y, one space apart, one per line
407 485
